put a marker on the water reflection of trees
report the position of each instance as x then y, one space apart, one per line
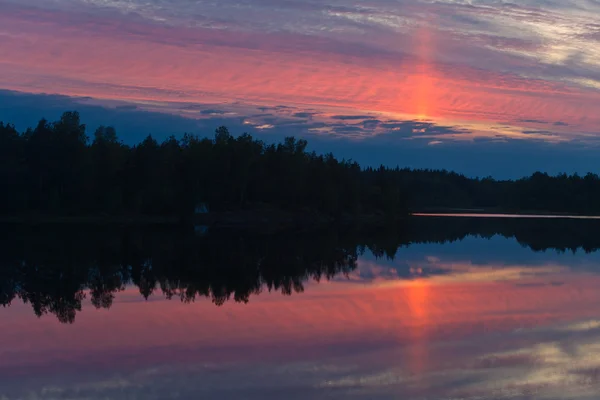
560 235
54 270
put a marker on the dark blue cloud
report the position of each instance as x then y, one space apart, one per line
533 121
541 122
352 117
371 124
275 108
213 112
500 159
133 125
412 128
304 114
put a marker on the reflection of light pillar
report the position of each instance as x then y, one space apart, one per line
418 295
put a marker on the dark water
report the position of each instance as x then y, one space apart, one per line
439 309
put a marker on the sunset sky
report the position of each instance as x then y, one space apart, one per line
478 86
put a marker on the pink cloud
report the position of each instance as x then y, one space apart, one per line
130 59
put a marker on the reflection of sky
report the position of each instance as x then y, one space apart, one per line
497 252
513 324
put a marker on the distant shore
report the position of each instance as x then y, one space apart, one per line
270 219
88 219
492 211
505 215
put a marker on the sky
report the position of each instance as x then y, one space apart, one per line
483 87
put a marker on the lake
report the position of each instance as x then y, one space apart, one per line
442 308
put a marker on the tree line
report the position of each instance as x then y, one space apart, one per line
540 192
55 168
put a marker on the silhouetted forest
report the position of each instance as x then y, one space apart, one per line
540 192
56 268
56 169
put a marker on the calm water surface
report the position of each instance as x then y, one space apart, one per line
443 310
499 215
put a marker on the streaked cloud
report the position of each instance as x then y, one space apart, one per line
477 70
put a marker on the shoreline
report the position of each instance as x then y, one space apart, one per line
88 219
273 219
505 215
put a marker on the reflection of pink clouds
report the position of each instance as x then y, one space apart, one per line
178 64
327 316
